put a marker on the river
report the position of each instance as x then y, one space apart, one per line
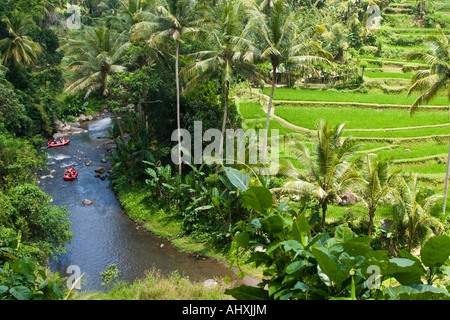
103 233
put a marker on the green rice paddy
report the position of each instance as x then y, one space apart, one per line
288 94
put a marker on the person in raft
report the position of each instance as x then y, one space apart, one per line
68 172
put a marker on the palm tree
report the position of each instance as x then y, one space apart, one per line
413 209
280 42
173 19
18 46
226 56
434 79
128 13
96 57
377 185
327 171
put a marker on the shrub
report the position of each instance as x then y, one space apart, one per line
39 221
337 264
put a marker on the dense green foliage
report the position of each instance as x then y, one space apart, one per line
159 65
31 229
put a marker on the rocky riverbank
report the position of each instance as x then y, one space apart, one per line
68 128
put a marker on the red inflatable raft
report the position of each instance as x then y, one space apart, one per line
58 143
71 175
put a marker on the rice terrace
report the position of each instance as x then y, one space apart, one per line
105 196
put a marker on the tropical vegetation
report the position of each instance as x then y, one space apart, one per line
357 208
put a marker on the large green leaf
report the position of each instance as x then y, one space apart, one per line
329 265
244 292
406 271
435 251
301 231
258 258
355 248
343 233
272 224
379 258
257 198
238 179
242 238
21 293
295 266
3 289
416 292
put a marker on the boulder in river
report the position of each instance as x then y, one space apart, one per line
65 129
86 202
73 124
99 170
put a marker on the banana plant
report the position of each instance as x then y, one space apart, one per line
334 265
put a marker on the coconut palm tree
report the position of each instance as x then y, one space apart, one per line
327 171
377 184
433 79
280 42
226 56
18 47
128 14
413 209
172 20
95 58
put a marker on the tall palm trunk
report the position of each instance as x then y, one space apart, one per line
324 213
177 49
371 216
269 108
446 179
224 121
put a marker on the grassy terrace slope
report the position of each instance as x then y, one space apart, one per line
364 118
381 123
287 94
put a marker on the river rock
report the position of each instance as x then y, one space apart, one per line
59 124
58 135
73 124
76 130
86 202
65 129
99 170
210 283
103 160
82 117
88 163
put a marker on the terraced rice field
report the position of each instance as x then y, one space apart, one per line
414 144
378 120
